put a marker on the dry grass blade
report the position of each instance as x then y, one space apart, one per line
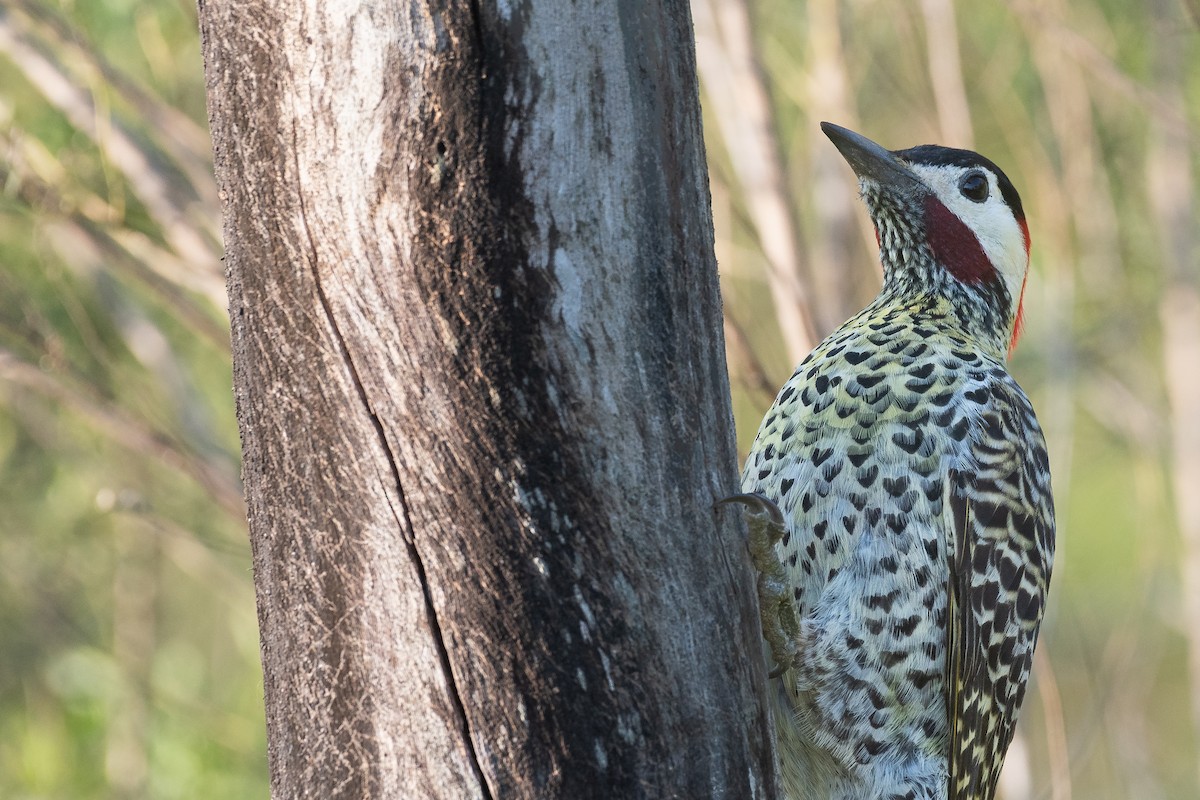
181 138
836 263
1172 196
945 71
1181 350
134 435
745 361
1055 722
185 222
736 88
1100 65
122 250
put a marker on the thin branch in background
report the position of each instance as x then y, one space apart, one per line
184 140
1068 104
1193 9
745 362
191 554
945 72
1130 654
1100 65
83 239
124 251
135 591
1180 318
1114 405
89 248
837 265
1055 722
735 86
1132 658
216 478
1016 776
1172 196
172 204
1085 178
745 367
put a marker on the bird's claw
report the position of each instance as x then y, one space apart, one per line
776 606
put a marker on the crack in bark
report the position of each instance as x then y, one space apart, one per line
405 522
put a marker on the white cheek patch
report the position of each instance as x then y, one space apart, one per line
1000 235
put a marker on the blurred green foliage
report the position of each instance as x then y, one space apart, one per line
128 641
128 644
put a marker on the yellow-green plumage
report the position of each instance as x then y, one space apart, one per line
917 537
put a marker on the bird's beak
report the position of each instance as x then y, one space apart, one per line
870 161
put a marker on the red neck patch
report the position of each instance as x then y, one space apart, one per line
954 245
1019 322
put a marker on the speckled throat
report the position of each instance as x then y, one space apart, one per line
912 272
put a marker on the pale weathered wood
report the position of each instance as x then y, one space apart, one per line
483 401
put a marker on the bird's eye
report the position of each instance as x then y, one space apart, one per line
974 187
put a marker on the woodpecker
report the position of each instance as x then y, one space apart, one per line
899 501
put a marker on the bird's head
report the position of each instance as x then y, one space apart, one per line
949 223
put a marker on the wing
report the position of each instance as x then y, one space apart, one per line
1000 518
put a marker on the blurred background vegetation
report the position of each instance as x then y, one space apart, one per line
128 645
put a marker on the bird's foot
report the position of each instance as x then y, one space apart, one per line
776 606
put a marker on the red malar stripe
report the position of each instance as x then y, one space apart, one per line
954 245
1019 322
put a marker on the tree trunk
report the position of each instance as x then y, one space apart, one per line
483 402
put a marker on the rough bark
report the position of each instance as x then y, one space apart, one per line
482 398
